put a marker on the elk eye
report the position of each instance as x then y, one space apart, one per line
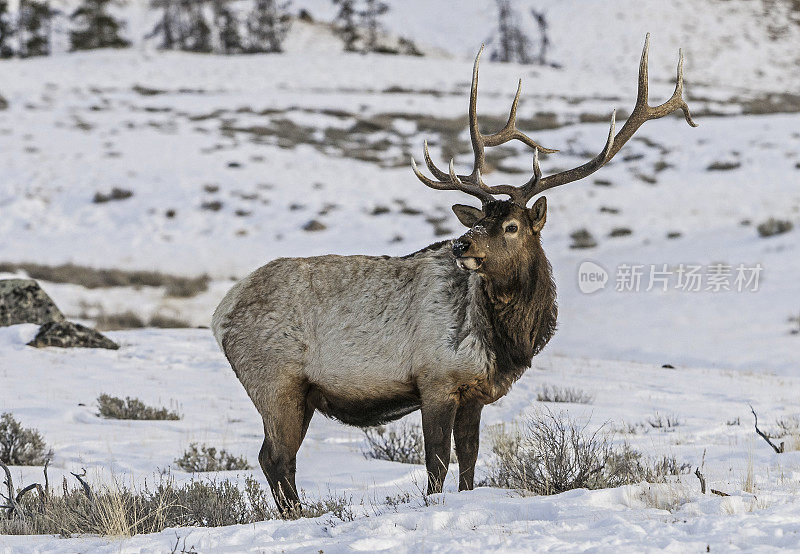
511 228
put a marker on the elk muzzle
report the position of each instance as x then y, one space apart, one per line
465 252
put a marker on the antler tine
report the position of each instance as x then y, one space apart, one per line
581 171
438 173
508 133
473 183
451 184
641 113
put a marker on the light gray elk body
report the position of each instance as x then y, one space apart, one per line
446 330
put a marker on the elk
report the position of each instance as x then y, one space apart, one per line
445 330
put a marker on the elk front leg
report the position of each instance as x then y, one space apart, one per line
437 427
466 432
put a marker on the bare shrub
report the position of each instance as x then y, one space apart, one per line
166 322
554 393
773 226
667 496
122 320
582 238
115 194
112 407
402 444
553 455
663 422
118 510
788 425
795 321
20 446
723 166
207 458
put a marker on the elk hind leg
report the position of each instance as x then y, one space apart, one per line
285 425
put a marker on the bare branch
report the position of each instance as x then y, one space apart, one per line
702 479
84 484
777 449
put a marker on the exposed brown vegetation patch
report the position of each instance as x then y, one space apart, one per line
112 407
207 458
92 278
21 446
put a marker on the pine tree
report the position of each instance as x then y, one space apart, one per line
372 11
195 32
34 28
166 26
544 39
6 31
227 24
345 24
96 27
268 25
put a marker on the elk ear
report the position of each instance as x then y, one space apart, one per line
538 214
467 215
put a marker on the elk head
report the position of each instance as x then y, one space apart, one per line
503 234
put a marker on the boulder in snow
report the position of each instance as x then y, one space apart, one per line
65 334
24 301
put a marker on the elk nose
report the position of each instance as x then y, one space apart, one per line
460 246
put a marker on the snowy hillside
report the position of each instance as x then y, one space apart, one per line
201 168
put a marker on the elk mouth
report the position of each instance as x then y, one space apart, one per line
470 263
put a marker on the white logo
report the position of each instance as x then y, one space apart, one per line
591 277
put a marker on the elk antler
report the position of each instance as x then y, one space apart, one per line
474 185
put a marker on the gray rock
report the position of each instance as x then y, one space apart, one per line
65 334
24 301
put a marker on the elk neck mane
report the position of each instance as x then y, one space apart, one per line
521 314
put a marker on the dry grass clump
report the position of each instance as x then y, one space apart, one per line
20 446
119 510
130 320
402 444
92 278
112 407
207 458
553 454
773 226
554 393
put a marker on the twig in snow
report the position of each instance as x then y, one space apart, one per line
778 450
702 479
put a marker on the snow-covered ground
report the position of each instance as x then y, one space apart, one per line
55 390
228 159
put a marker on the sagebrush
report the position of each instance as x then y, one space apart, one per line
402 443
112 407
206 458
20 446
553 393
552 454
119 510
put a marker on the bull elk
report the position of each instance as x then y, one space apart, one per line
445 330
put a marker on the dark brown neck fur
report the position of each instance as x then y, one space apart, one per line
522 315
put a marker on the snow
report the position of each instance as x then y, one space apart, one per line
283 139
54 390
